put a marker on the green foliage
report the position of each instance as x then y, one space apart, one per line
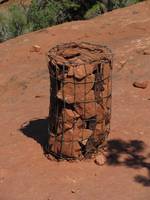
51 12
43 13
95 10
3 28
123 3
17 21
13 23
41 17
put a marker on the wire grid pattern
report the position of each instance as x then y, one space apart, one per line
57 117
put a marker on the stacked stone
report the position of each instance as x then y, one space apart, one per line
80 103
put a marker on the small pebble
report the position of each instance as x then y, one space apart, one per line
142 85
36 48
73 191
146 52
100 160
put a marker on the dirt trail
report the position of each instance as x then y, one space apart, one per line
25 173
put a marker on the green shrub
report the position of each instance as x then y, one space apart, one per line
14 22
3 28
95 10
123 3
17 21
50 12
41 17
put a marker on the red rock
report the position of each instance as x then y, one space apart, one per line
100 159
70 53
80 124
107 89
107 102
69 149
106 70
146 52
100 112
85 133
88 109
82 71
100 130
75 93
75 134
70 71
67 120
142 85
69 115
36 48
76 61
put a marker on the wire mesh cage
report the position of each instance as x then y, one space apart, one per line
80 99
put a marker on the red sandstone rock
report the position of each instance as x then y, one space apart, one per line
67 120
80 124
82 71
76 135
100 112
88 109
106 71
70 53
36 48
69 149
75 92
107 89
146 52
100 159
142 85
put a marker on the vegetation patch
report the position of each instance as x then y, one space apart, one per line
20 19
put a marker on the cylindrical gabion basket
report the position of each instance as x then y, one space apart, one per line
80 99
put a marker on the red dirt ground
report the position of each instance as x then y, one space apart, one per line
25 173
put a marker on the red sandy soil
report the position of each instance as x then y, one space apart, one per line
25 173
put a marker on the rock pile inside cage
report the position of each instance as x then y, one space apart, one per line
80 99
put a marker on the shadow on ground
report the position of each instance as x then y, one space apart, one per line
119 152
38 130
129 154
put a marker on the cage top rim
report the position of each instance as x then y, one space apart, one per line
106 49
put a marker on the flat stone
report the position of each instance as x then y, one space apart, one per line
88 109
70 53
68 149
67 120
85 133
36 48
82 71
75 92
69 115
142 85
76 134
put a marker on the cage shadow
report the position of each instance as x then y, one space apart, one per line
129 154
37 129
119 152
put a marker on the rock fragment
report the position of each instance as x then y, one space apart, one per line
100 159
36 48
142 85
76 91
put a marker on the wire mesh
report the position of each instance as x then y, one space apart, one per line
80 99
